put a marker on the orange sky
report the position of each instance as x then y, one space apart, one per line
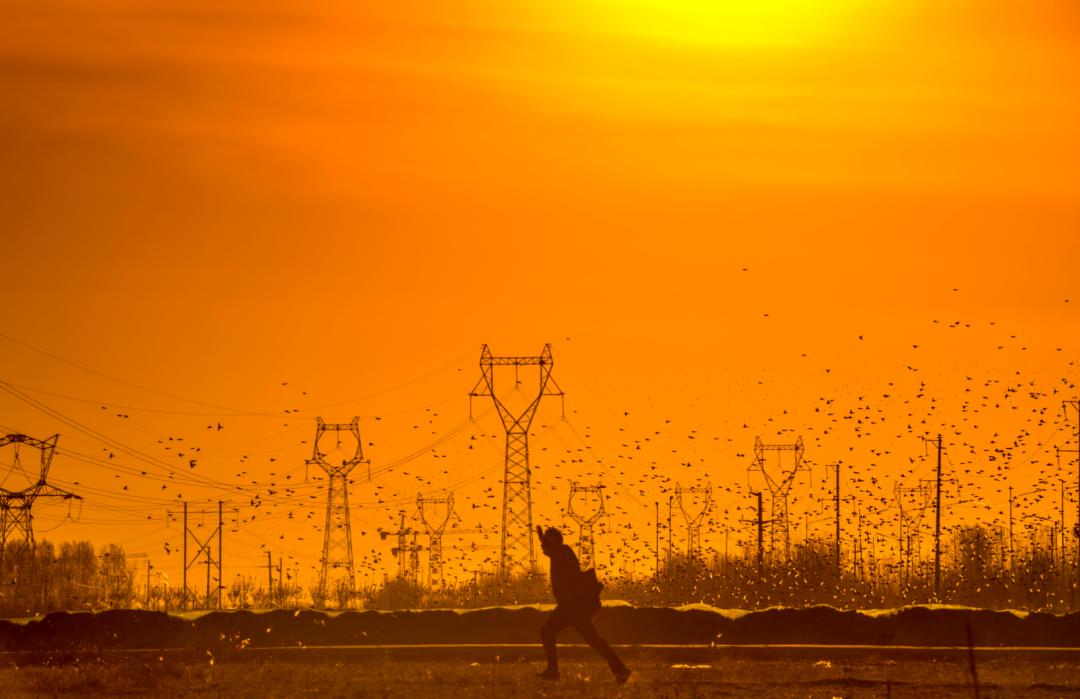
703 207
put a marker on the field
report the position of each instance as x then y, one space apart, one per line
500 671
917 652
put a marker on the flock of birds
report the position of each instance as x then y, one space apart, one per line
998 430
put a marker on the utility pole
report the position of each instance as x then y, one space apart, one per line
937 527
1053 545
859 574
516 549
414 559
402 549
910 520
836 496
1012 565
760 534
269 577
183 598
1062 527
937 518
204 549
1011 497
670 534
657 551
147 583
208 561
407 554
1075 405
220 554
900 538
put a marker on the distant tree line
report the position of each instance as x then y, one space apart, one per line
979 569
41 579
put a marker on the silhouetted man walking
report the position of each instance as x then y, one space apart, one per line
575 604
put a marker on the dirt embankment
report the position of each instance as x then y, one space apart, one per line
916 626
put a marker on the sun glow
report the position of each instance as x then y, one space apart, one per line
736 22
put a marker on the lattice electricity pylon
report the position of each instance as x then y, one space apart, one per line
516 551
337 536
694 521
435 526
586 542
912 502
779 480
16 506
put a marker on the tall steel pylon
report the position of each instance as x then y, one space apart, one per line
779 480
337 550
435 526
516 550
16 506
585 522
694 520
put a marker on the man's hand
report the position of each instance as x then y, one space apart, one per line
540 532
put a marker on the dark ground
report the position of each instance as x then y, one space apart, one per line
912 652
502 671
218 631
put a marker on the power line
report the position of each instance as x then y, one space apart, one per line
113 378
232 412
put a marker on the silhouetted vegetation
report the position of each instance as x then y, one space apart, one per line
977 571
75 577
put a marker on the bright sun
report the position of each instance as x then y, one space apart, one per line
743 22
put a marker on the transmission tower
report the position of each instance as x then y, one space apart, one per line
16 506
779 478
586 541
694 520
516 551
435 526
337 550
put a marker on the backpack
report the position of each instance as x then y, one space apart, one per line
590 590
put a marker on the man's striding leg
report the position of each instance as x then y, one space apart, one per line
556 622
584 626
